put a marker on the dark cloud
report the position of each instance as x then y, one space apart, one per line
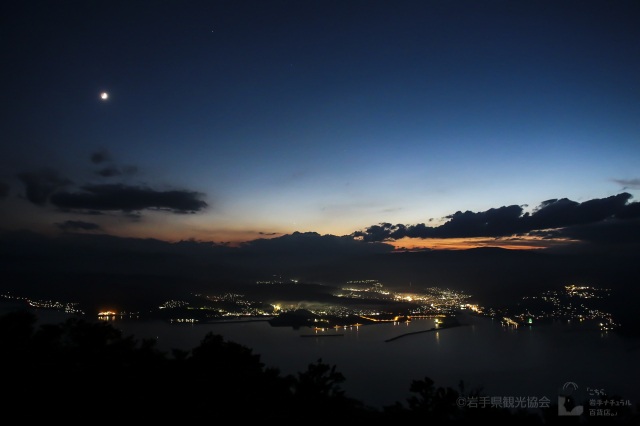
127 199
134 216
604 233
630 211
564 212
4 190
78 225
380 232
109 171
129 170
493 222
41 184
510 220
268 233
100 157
628 183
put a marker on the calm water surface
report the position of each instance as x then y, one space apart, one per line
528 361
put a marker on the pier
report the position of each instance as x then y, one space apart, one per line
442 327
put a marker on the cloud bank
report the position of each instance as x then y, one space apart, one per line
78 225
47 186
512 220
39 185
113 197
629 183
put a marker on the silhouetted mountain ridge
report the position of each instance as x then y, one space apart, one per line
120 268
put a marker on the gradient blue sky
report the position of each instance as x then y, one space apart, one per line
324 116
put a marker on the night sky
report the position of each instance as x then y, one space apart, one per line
417 123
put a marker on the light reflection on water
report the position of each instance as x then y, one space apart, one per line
529 361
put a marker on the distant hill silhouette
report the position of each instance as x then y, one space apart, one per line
99 269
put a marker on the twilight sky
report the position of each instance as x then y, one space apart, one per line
230 121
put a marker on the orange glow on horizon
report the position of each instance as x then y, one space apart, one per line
235 237
519 243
